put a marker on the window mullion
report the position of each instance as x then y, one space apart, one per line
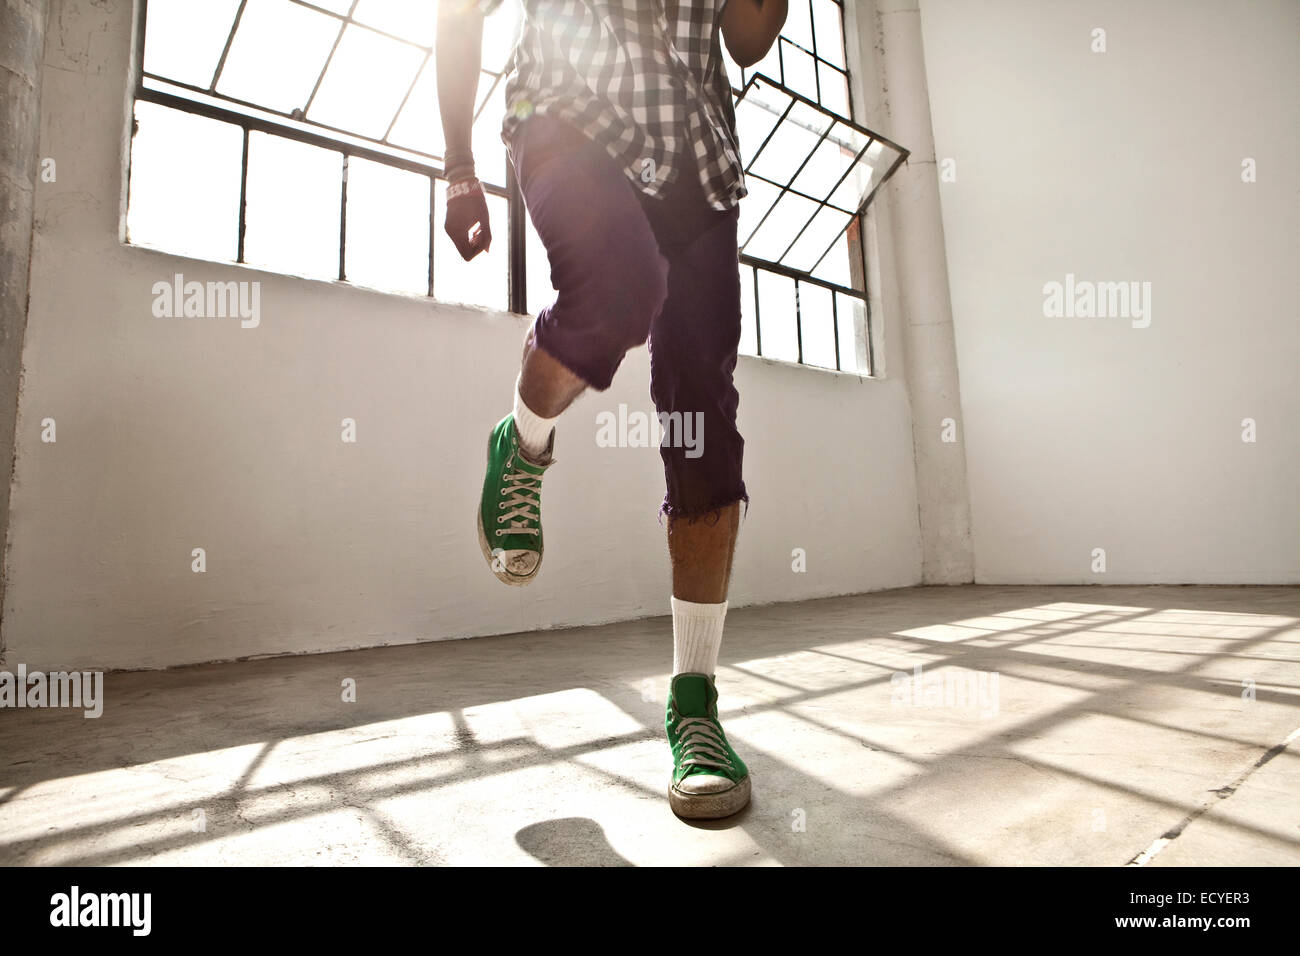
225 51
243 198
343 222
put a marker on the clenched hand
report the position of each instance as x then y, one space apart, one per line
467 218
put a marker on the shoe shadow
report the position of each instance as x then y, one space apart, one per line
571 841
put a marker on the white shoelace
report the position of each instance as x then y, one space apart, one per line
700 742
520 490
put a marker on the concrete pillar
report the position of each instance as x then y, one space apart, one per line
893 29
22 51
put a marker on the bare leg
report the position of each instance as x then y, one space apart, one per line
701 551
546 386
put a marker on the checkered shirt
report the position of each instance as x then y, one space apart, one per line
644 78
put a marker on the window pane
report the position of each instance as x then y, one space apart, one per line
365 82
420 125
748 323
777 316
868 171
821 232
184 189
754 206
798 26
185 39
800 71
388 228
789 215
852 316
414 20
817 325
263 69
293 207
482 280
790 145
835 91
540 291
836 266
756 114
830 161
830 38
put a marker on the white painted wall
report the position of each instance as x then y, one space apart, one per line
175 434
1124 165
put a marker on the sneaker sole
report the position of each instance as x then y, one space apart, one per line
709 806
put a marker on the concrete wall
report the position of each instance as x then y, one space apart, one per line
1090 433
22 40
177 434
895 98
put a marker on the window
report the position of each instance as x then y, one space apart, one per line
322 157
811 172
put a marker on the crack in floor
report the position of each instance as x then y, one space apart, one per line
1221 793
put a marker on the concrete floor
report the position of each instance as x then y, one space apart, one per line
1112 726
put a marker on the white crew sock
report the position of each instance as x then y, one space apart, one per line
534 431
697 635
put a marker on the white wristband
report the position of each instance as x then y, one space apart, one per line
463 188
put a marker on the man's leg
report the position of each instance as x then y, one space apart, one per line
543 390
545 385
605 262
701 550
693 345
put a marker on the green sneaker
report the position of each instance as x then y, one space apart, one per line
510 511
709 780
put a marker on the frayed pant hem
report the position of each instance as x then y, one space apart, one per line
712 514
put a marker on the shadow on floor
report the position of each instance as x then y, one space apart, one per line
1108 647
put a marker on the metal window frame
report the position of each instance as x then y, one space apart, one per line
854 218
818 59
252 117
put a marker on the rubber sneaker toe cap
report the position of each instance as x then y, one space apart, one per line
705 783
520 563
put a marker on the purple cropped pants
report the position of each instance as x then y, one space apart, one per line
631 269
